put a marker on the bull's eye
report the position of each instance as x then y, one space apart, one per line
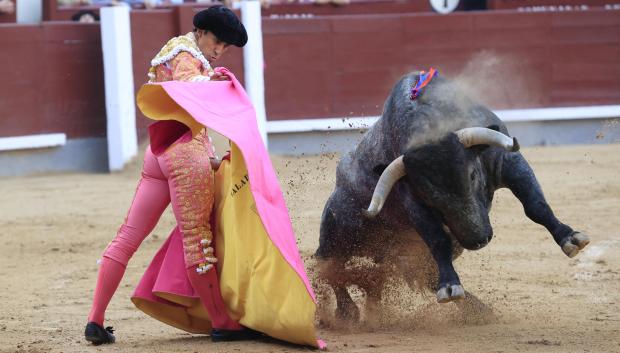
473 175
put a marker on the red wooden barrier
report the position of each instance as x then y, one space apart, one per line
338 66
325 66
356 7
52 80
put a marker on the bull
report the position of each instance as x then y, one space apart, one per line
428 168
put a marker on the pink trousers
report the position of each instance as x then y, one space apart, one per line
182 176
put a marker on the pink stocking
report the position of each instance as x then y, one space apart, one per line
151 199
208 287
110 275
190 179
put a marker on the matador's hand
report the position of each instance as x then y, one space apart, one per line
219 76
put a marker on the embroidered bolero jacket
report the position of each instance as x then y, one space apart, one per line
180 60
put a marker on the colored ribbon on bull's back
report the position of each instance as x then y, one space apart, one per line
424 78
262 277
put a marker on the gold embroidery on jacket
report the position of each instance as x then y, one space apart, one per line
192 176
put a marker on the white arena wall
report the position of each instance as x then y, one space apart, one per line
532 127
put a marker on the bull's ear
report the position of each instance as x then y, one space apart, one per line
493 127
378 169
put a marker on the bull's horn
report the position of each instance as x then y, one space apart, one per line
472 136
389 177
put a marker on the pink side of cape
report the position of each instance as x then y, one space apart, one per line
174 280
225 107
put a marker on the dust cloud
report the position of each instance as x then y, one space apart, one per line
500 81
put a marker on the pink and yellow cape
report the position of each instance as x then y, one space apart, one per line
262 277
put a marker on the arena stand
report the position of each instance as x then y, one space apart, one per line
323 71
550 5
8 17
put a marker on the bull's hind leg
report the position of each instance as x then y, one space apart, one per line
372 280
346 309
334 273
338 233
520 179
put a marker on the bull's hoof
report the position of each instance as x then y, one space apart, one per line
450 293
574 243
348 313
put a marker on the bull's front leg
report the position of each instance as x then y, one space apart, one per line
440 246
517 175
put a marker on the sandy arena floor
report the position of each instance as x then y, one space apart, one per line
54 228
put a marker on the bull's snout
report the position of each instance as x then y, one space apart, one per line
477 241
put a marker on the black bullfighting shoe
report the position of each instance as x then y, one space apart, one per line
97 335
221 335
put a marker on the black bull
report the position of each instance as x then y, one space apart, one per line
426 175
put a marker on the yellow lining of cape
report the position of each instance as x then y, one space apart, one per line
260 288
191 318
157 105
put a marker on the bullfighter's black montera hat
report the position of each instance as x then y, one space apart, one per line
223 23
